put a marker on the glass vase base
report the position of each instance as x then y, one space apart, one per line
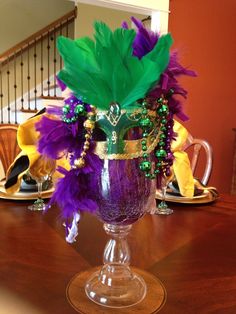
162 211
118 291
151 301
38 205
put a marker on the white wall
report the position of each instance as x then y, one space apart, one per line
87 14
157 9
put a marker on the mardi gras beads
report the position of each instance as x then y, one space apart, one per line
72 110
145 123
89 125
163 151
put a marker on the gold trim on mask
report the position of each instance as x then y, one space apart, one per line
132 149
131 115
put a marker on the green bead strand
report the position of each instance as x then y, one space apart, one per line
66 109
79 110
146 123
145 165
162 110
161 153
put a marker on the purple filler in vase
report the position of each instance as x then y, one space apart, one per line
123 192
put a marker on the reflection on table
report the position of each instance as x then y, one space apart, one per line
192 252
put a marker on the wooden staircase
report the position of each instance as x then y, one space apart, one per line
28 70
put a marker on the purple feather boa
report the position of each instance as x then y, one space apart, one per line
144 42
57 138
75 191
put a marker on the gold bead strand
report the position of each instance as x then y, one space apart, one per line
89 125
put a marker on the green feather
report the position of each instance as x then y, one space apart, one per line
105 71
148 70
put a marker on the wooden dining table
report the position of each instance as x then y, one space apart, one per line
192 252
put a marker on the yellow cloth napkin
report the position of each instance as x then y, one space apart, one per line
30 160
181 165
38 165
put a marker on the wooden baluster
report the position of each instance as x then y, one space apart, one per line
1 94
54 61
48 55
7 79
28 76
35 75
67 28
41 68
8 91
22 79
15 87
60 55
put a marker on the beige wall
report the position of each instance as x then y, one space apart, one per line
87 14
21 18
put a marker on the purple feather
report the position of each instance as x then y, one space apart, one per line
72 193
60 84
124 25
57 138
54 110
144 42
169 81
75 191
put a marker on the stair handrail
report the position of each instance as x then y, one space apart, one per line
26 43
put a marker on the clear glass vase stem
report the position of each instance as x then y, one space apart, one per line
40 188
39 204
115 285
164 193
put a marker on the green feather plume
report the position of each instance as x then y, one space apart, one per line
105 71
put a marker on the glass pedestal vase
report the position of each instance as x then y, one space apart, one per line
123 196
115 286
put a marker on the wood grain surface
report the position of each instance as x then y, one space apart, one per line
192 252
